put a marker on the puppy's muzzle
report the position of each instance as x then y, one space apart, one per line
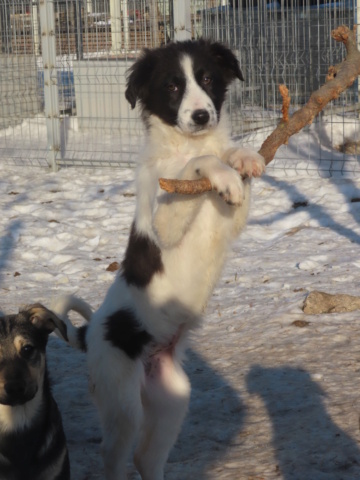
200 117
17 392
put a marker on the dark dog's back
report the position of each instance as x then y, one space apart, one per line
32 439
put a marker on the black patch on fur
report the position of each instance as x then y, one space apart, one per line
142 259
81 337
157 71
124 332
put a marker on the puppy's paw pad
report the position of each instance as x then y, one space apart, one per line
247 162
229 186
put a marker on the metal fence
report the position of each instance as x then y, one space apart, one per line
63 64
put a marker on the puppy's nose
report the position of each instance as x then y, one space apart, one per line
14 388
201 117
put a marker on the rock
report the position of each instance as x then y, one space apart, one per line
300 323
113 267
320 302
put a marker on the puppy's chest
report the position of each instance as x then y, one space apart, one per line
194 265
23 443
172 158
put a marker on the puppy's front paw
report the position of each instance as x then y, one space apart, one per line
247 162
228 184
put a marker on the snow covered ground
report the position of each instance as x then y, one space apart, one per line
270 400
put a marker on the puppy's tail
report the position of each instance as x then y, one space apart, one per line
61 306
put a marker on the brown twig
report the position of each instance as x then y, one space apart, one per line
339 78
186 187
284 92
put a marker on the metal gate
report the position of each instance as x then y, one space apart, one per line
63 66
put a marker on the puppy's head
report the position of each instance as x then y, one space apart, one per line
184 83
23 339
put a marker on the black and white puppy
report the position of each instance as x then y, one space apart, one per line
176 250
32 440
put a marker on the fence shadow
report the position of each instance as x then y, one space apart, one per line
338 163
308 444
7 242
315 211
216 415
9 236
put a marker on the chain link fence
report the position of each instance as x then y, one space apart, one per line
63 65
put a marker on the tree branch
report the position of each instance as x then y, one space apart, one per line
339 78
284 92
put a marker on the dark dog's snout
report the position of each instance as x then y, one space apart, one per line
17 392
14 389
200 117
17 384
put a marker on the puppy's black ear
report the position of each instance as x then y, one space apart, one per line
138 77
45 319
227 61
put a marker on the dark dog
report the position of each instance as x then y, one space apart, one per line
32 440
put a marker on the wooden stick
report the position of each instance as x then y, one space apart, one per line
186 187
339 78
284 92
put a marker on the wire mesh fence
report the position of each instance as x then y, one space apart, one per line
63 70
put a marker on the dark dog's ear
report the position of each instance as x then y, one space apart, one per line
138 77
227 61
45 319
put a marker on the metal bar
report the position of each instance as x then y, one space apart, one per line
79 28
115 17
5 28
52 112
182 20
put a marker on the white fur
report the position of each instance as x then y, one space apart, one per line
61 306
14 418
193 234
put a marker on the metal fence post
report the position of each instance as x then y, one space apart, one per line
79 31
182 20
5 27
115 17
52 112
357 20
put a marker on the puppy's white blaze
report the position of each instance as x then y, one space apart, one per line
195 98
20 416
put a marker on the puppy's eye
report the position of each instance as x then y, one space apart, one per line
27 351
206 80
172 87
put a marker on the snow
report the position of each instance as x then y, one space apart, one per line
270 400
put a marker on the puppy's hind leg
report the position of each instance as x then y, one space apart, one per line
118 440
118 398
165 400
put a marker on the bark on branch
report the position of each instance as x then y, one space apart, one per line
339 78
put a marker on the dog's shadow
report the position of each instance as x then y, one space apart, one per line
216 415
308 444
69 379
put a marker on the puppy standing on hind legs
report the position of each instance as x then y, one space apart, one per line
162 403
135 341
